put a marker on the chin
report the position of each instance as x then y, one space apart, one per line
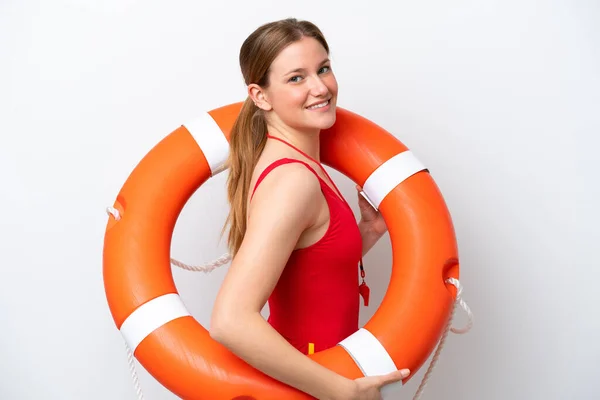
323 122
328 124
321 125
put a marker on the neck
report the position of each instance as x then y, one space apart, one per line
307 141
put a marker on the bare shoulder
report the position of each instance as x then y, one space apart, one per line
290 191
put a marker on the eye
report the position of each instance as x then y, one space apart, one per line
295 79
324 69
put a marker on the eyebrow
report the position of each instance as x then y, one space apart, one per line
303 69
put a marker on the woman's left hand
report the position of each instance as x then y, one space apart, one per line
371 218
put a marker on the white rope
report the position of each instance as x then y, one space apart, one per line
136 383
114 212
206 268
449 327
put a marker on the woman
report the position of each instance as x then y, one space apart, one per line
294 239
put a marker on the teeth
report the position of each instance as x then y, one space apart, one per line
318 105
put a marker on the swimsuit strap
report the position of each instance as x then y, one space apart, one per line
277 163
315 161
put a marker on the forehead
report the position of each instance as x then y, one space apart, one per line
305 53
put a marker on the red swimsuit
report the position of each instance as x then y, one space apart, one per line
316 299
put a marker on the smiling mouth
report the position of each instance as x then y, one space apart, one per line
320 105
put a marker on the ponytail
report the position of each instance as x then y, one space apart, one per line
248 135
247 140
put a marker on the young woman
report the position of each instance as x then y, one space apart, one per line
294 239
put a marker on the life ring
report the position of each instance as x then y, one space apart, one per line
179 352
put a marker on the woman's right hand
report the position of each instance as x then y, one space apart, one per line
369 388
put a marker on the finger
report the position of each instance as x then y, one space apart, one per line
394 376
362 200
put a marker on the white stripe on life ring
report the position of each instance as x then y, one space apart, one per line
211 140
389 175
368 353
151 316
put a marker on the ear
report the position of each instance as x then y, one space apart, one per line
259 97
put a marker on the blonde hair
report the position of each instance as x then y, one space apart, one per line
249 132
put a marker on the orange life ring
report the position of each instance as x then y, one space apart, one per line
179 352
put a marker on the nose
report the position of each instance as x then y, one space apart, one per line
318 88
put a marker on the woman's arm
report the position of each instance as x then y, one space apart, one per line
286 205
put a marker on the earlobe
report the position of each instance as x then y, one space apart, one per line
257 95
265 105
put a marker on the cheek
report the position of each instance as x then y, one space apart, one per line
290 99
288 103
297 97
331 84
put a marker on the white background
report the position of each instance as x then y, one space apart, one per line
500 99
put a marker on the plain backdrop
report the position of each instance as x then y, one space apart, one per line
500 99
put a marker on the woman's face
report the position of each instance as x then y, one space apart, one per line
302 91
